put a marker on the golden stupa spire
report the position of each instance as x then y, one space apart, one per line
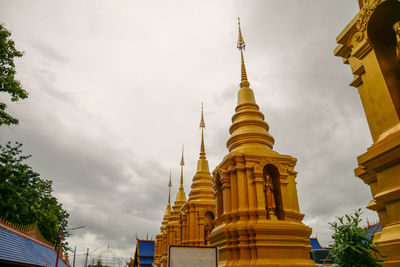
201 185
169 188
248 129
202 123
182 164
202 164
202 126
242 46
168 209
180 196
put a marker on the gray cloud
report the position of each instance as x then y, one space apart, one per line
116 91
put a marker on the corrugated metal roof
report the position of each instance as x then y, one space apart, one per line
16 248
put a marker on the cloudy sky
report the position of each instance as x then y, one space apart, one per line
115 89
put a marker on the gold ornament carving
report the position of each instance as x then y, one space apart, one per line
366 13
396 29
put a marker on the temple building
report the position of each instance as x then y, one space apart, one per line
199 210
370 44
249 208
258 221
24 245
171 227
189 223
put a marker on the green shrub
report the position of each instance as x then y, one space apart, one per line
352 247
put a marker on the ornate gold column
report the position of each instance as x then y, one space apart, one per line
370 44
258 218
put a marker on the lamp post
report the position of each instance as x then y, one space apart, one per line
59 242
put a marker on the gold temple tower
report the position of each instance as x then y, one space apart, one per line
174 225
199 210
161 245
258 221
370 44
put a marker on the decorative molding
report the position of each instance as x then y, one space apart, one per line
31 230
359 70
362 49
365 14
356 82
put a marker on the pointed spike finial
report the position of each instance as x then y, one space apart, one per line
169 188
182 164
202 123
241 46
240 43
182 160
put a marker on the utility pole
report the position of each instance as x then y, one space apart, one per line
59 247
59 242
73 262
87 255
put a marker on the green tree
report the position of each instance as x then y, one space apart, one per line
25 198
352 247
8 83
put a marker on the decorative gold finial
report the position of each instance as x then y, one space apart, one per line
202 126
180 196
240 42
396 28
182 164
202 123
241 45
169 188
182 161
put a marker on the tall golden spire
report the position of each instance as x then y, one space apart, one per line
168 209
201 185
182 164
202 126
169 188
242 46
248 129
202 164
180 196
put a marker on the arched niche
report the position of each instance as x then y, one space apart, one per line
208 225
383 40
271 175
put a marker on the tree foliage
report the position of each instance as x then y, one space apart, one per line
8 83
352 247
25 198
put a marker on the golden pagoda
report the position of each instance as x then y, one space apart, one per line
161 245
174 225
258 221
370 44
199 210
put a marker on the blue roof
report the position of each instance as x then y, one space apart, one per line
145 252
315 244
146 248
19 249
373 229
146 261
